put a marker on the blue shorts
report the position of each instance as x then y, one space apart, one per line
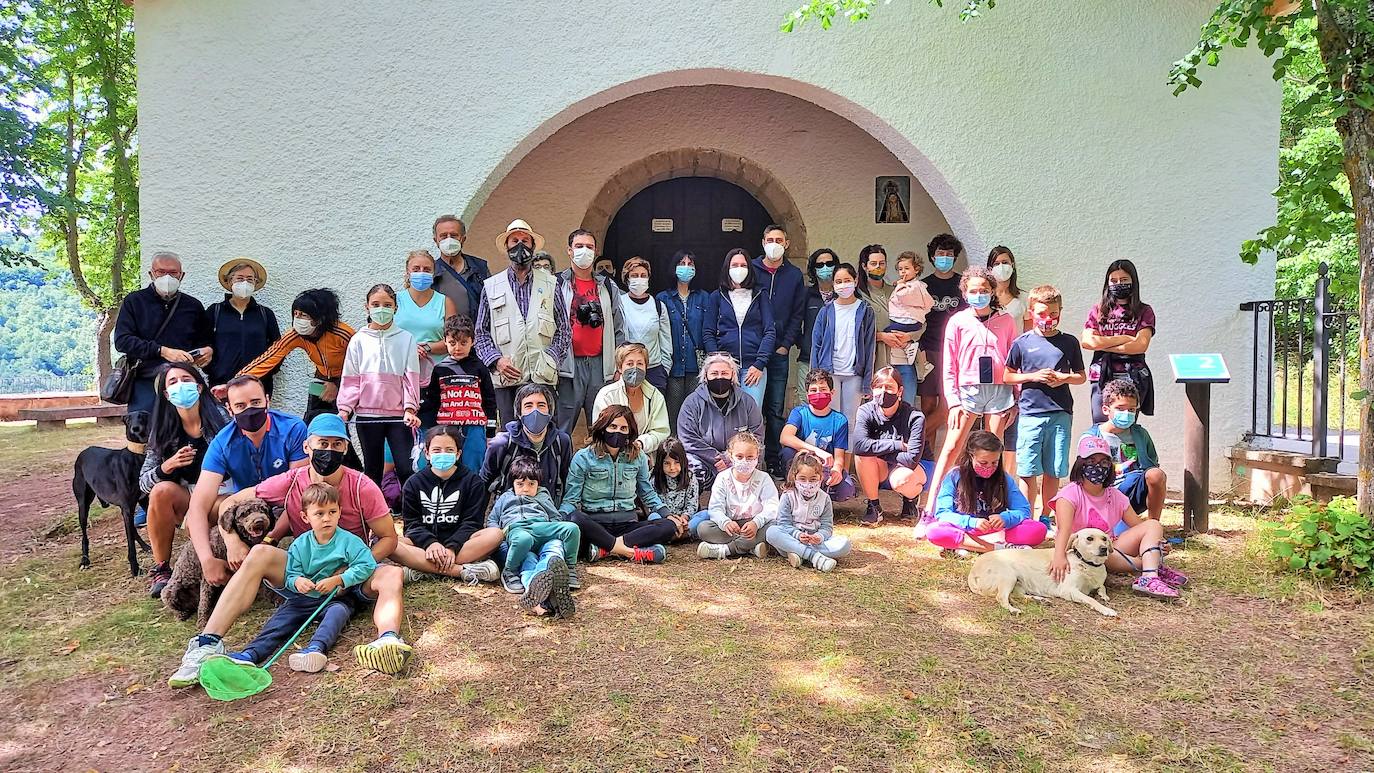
1042 444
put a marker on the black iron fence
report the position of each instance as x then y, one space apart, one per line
1304 362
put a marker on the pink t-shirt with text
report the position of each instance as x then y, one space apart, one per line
1101 512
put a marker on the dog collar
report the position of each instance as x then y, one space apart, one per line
1086 561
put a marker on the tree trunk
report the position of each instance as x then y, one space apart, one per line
105 322
1345 43
1357 135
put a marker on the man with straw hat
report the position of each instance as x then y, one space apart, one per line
241 327
522 331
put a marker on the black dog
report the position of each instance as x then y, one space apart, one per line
110 475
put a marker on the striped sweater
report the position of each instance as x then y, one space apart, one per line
381 373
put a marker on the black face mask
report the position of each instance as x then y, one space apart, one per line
1097 473
1120 291
325 461
520 254
719 386
251 419
887 399
617 439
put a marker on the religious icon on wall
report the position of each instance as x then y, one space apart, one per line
893 199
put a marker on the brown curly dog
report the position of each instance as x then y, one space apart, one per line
188 593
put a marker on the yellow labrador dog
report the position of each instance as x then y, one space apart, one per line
1002 572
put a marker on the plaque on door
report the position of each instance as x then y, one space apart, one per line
661 225
732 224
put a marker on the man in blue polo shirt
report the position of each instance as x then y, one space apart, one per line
259 444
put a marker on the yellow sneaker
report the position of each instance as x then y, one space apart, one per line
389 654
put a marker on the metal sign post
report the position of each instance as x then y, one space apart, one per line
1197 373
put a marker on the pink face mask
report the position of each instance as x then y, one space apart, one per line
819 400
984 470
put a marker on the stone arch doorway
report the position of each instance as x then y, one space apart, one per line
706 216
758 182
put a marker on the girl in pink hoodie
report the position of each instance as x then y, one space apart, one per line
977 340
381 387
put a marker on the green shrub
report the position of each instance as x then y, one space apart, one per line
1328 541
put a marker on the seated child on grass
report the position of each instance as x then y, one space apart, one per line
527 515
316 563
1138 474
805 529
980 498
1090 501
678 488
744 500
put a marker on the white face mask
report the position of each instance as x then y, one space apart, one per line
639 285
773 250
450 246
738 273
302 326
845 289
582 257
167 285
243 289
1002 271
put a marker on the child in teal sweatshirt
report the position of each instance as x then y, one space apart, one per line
316 563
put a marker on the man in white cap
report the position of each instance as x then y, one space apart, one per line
457 274
522 330
596 328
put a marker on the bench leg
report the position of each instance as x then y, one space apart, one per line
109 421
47 426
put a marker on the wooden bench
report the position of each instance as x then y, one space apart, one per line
56 418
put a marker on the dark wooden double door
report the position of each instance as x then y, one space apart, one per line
697 207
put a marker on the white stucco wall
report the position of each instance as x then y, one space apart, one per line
323 137
825 162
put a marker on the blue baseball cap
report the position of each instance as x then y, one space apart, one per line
328 425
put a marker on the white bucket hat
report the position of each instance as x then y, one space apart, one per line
518 225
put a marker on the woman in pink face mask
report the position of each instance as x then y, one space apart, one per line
979 499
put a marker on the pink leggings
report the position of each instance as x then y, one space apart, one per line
946 535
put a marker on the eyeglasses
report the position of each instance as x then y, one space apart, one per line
828 264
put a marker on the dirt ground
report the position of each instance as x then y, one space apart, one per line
887 664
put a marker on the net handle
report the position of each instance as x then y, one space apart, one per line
324 603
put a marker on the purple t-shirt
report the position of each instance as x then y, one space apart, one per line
1117 325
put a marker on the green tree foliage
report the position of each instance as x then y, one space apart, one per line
69 66
45 327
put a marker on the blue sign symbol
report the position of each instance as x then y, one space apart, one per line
1199 369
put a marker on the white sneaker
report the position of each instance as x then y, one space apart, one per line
795 560
189 673
311 662
482 571
761 550
923 369
712 550
822 562
409 575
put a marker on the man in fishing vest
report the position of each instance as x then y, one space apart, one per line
591 304
522 331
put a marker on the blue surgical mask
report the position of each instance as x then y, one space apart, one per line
183 394
825 273
442 461
1123 419
421 280
943 263
685 273
979 301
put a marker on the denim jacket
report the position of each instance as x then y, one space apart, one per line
609 486
686 320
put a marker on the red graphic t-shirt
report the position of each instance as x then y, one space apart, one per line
586 340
